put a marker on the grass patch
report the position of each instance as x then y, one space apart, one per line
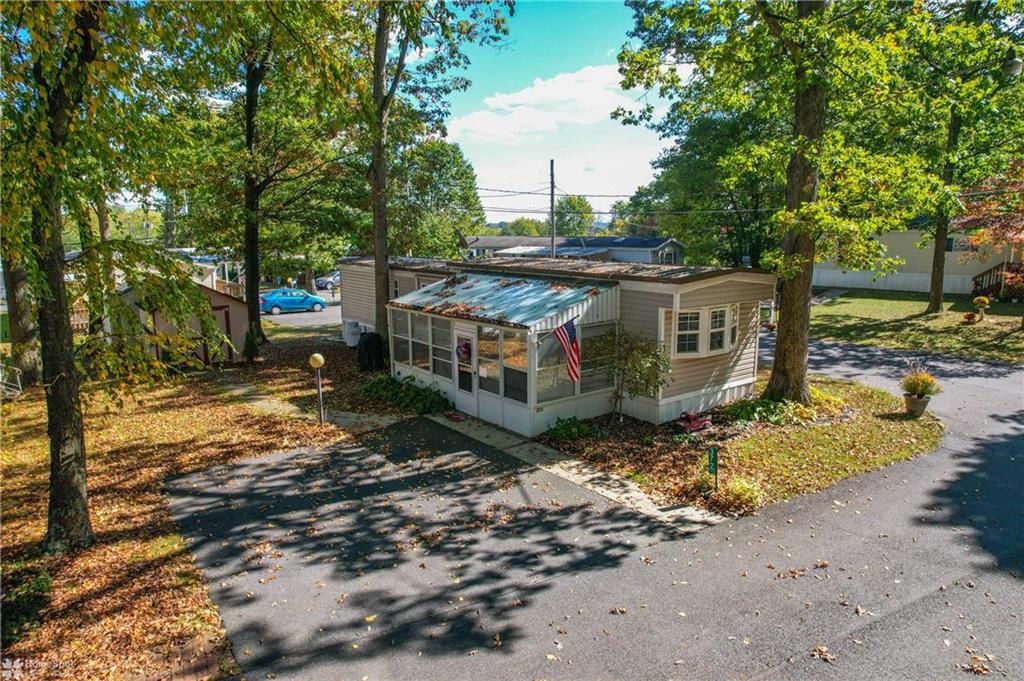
896 319
850 429
127 605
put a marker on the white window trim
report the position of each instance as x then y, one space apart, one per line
704 331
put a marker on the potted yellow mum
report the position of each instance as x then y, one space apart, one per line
918 388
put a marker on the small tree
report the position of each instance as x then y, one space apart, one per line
637 364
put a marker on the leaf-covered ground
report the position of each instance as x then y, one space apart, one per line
896 319
784 460
284 372
128 604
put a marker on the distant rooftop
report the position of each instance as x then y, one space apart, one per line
543 251
624 241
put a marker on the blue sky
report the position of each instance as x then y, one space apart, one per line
548 94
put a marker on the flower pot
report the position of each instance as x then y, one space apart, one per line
915 405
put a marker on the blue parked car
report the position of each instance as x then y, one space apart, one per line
290 300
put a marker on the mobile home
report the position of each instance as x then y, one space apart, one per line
483 335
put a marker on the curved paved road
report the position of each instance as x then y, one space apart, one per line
528 577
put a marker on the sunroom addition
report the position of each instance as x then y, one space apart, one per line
487 341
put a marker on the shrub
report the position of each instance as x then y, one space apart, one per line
406 394
569 428
981 301
757 409
779 413
250 347
920 383
739 495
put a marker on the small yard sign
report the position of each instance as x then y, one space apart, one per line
713 464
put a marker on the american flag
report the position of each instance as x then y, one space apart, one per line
566 335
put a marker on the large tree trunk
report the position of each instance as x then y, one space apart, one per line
68 526
379 170
254 73
24 339
788 379
942 217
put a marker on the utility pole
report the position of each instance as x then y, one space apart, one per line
552 208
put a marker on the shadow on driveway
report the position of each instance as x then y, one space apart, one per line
419 537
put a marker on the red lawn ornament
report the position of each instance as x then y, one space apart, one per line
689 423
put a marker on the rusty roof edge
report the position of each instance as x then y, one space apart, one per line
615 276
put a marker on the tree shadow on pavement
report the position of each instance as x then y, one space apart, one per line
417 538
982 499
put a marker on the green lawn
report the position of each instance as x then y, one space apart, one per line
896 319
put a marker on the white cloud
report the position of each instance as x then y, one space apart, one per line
583 97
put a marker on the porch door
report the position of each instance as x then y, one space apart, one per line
465 368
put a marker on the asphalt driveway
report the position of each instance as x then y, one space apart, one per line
422 554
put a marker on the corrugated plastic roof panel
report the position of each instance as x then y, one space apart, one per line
504 300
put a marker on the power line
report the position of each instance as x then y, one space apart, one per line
544 211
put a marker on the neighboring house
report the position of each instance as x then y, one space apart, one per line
915 275
482 334
230 313
648 249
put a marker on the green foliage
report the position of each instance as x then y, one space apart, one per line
636 364
527 227
739 495
569 429
406 394
738 79
433 195
27 588
784 412
920 383
574 216
686 438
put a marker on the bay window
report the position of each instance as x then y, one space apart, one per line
704 331
688 333
716 329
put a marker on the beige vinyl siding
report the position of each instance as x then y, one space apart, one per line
357 297
725 292
638 310
709 373
406 282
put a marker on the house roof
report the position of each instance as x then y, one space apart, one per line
624 241
431 265
503 300
605 269
560 251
